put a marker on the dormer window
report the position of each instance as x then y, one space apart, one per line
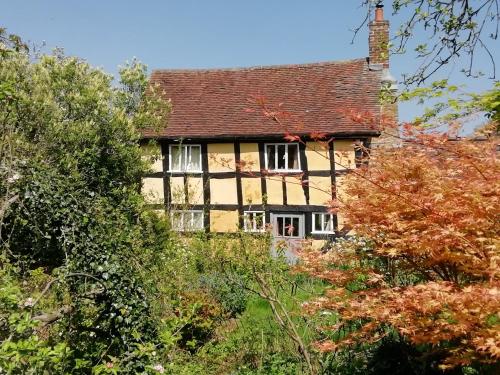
282 157
185 158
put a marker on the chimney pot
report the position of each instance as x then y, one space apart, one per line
379 13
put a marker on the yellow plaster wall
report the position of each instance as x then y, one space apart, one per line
152 189
223 191
294 191
341 195
344 154
152 154
319 190
223 221
249 156
317 155
251 189
221 157
177 190
195 190
274 190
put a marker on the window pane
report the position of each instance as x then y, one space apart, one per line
197 220
253 222
317 222
247 223
194 154
259 221
288 226
176 220
176 158
280 225
271 163
328 223
281 156
186 222
293 157
295 227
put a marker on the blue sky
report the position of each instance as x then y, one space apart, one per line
206 34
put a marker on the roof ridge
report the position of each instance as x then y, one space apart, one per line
259 67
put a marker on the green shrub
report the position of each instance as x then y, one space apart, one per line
228 289
22 350
275 364
201 315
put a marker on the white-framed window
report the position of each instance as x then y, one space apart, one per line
323 223
288 225
185 158
282 157
187 221
254 221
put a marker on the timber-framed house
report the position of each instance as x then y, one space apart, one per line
225 168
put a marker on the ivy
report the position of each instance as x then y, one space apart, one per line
70 173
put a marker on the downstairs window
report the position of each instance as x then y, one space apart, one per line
187 221
323 223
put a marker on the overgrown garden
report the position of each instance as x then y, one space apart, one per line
92 281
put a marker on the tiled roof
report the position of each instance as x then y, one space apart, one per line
213 103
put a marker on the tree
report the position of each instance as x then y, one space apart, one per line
70 174
453 29
429 211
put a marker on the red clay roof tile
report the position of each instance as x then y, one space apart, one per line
212 103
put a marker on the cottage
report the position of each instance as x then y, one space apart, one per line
225 168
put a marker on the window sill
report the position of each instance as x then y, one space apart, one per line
284 170
181 172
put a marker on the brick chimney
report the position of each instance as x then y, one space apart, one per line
379 61
379 38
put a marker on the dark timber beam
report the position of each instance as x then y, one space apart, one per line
239 188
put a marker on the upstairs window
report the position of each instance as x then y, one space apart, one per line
254 221
187 221
323 223
185 158
282 157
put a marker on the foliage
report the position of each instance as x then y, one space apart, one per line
10 43
430 210
250 256
452 29
255 343
454 104
22 351
70 168
228 289
200 329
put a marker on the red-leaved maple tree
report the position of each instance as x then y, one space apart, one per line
430 210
